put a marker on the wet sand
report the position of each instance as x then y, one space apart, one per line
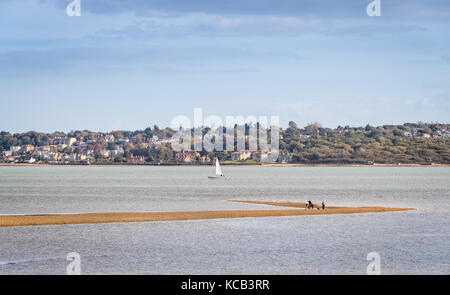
59 219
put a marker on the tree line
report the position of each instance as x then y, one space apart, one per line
313 144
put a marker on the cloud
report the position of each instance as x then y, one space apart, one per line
163 58
346 8
249 26
143 20
217 25
326 9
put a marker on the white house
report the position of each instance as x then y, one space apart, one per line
109 138
407 134
15 149
7 153
241 155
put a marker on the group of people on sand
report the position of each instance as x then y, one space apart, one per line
310 205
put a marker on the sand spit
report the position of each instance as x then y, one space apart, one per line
59 219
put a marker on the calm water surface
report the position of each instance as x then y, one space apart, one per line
414 242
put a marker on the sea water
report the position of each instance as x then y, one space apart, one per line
410 242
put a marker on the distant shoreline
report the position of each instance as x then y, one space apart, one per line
228 164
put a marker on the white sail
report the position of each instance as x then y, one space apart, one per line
219 173
218 170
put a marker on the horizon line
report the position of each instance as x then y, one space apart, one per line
205 126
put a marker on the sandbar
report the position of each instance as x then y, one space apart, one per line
112 217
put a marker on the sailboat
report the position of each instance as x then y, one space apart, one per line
219 173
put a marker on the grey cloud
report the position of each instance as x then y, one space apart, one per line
205 25
391 9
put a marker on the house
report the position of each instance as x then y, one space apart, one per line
43 154
53 148
426 135
45 148
189 157
446 133
54 156
262 156
109 138
27 148
68 141
123 140
105 153
7 154
340 131
15 149
407 134
118 151
9 159
205 159
241 155
136 159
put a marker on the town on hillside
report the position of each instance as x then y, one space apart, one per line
422 143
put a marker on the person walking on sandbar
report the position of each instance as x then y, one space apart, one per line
323 205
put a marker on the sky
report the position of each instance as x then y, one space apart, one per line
130 64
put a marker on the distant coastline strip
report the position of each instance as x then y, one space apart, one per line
60 219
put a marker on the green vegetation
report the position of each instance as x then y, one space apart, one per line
422 143
240 162
392 144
